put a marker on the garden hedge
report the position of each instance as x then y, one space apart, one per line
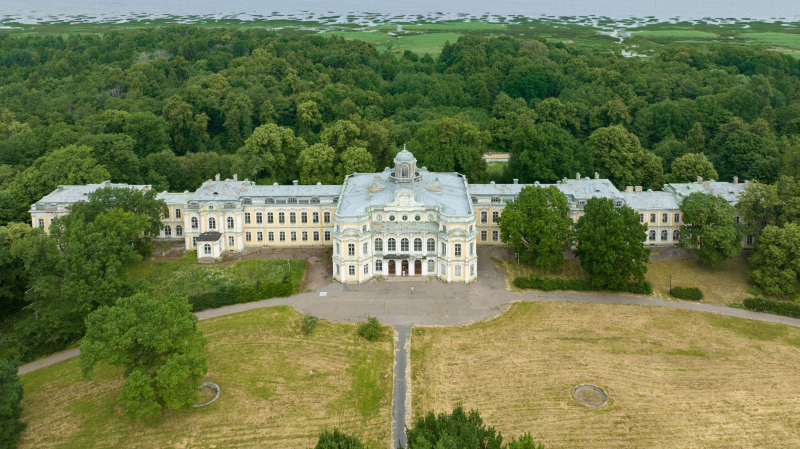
549 284
690 293
775 307
234 294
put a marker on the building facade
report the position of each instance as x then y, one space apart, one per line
404 221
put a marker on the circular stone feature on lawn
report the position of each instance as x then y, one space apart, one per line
590 396
209 392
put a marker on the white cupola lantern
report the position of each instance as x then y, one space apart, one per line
405 167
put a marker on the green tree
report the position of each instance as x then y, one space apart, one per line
760 205
238 112
157 343
309 118
776 261
452 145
355 160
10 397
710 230
279 148
337 440
748 155
187 129
689 166
115 152
455 430
546 153
670 149
617 155
316 164
696 139
13 279
148 131
537 225
611 244
534 81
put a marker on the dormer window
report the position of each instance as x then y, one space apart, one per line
315 199
495 199
292 200
618 203
270 200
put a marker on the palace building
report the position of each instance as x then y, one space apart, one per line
405 221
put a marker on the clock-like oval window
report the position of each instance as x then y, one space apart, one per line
405 217
430 217
391 217
379 217
417 217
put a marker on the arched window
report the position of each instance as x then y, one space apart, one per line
167 231
664 235
675 235
431 267
392 245
378 245
653 236
230 222
194 222
206 249
212 223
431 245
179 230
404 244
417 244
404 171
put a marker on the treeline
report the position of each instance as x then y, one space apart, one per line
174 106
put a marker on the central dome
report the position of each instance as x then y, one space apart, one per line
404 156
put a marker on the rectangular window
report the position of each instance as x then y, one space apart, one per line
259 218
352 270
442 269
665 218
365 249
270 218
444 229
484 217
292 218
337 270
378 266
351 250
458 271
194 241
364 228
391 245
231 241
495 236
738 219
327 236
484 236
304 217
259 236
294 236
327 217
247 218
315 217
282 236
652 218
336 249
458 250
316 236
247 237
677 218
305 236
472 270
177 213
471 249
271 236
495 216
641 218
366 268
281 218
41 222
750 239
444 249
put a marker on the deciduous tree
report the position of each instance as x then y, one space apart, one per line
776 261
710 230
10 397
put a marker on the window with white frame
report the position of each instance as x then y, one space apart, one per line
366 268
484 236
457 250
664 235
378 266
259 218
304 236
665 218
750 239
270 218
484 217
177 213
271 236
365 249
327 236
282 236
248 237
316 236
292 217
167 230
495 236
336 249
417 244
431 267
337 270
41 222
351 249
471 249
212 223
444 249
294 236
194 222
442 269
652 218
315 217
641 218
676 235
495 199
327 217
472 270
458 271
231 241
652 236
247 218
281 218
206 249
391 245
179 230
364 228
230 222
352 270
259 236
194 242
403 244
676 219
495 216
378 245
304 217
431 245
444 229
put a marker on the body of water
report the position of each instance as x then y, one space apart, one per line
365 11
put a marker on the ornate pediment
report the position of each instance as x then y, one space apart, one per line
404 199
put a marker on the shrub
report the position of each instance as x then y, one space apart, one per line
234 294
549 284
775 307
309 323
337 440
690 293
371 329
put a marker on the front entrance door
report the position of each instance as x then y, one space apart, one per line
418 267
405 268
391 267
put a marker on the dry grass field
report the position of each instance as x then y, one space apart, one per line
721 285
675 378
279 389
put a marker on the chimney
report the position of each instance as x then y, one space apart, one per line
629 188
577 176
596 175
295 182
707 186
699 179
235 177
736 180
216 178
209 183
516 181
637 189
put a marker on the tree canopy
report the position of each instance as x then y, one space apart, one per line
709 229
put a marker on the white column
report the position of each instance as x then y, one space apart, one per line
385 267
411 264
449 272
424 266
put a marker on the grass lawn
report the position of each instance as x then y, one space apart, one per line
675 378
185 276
448 26
496 171
424 43
366 36
279 389
721 285
785 40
